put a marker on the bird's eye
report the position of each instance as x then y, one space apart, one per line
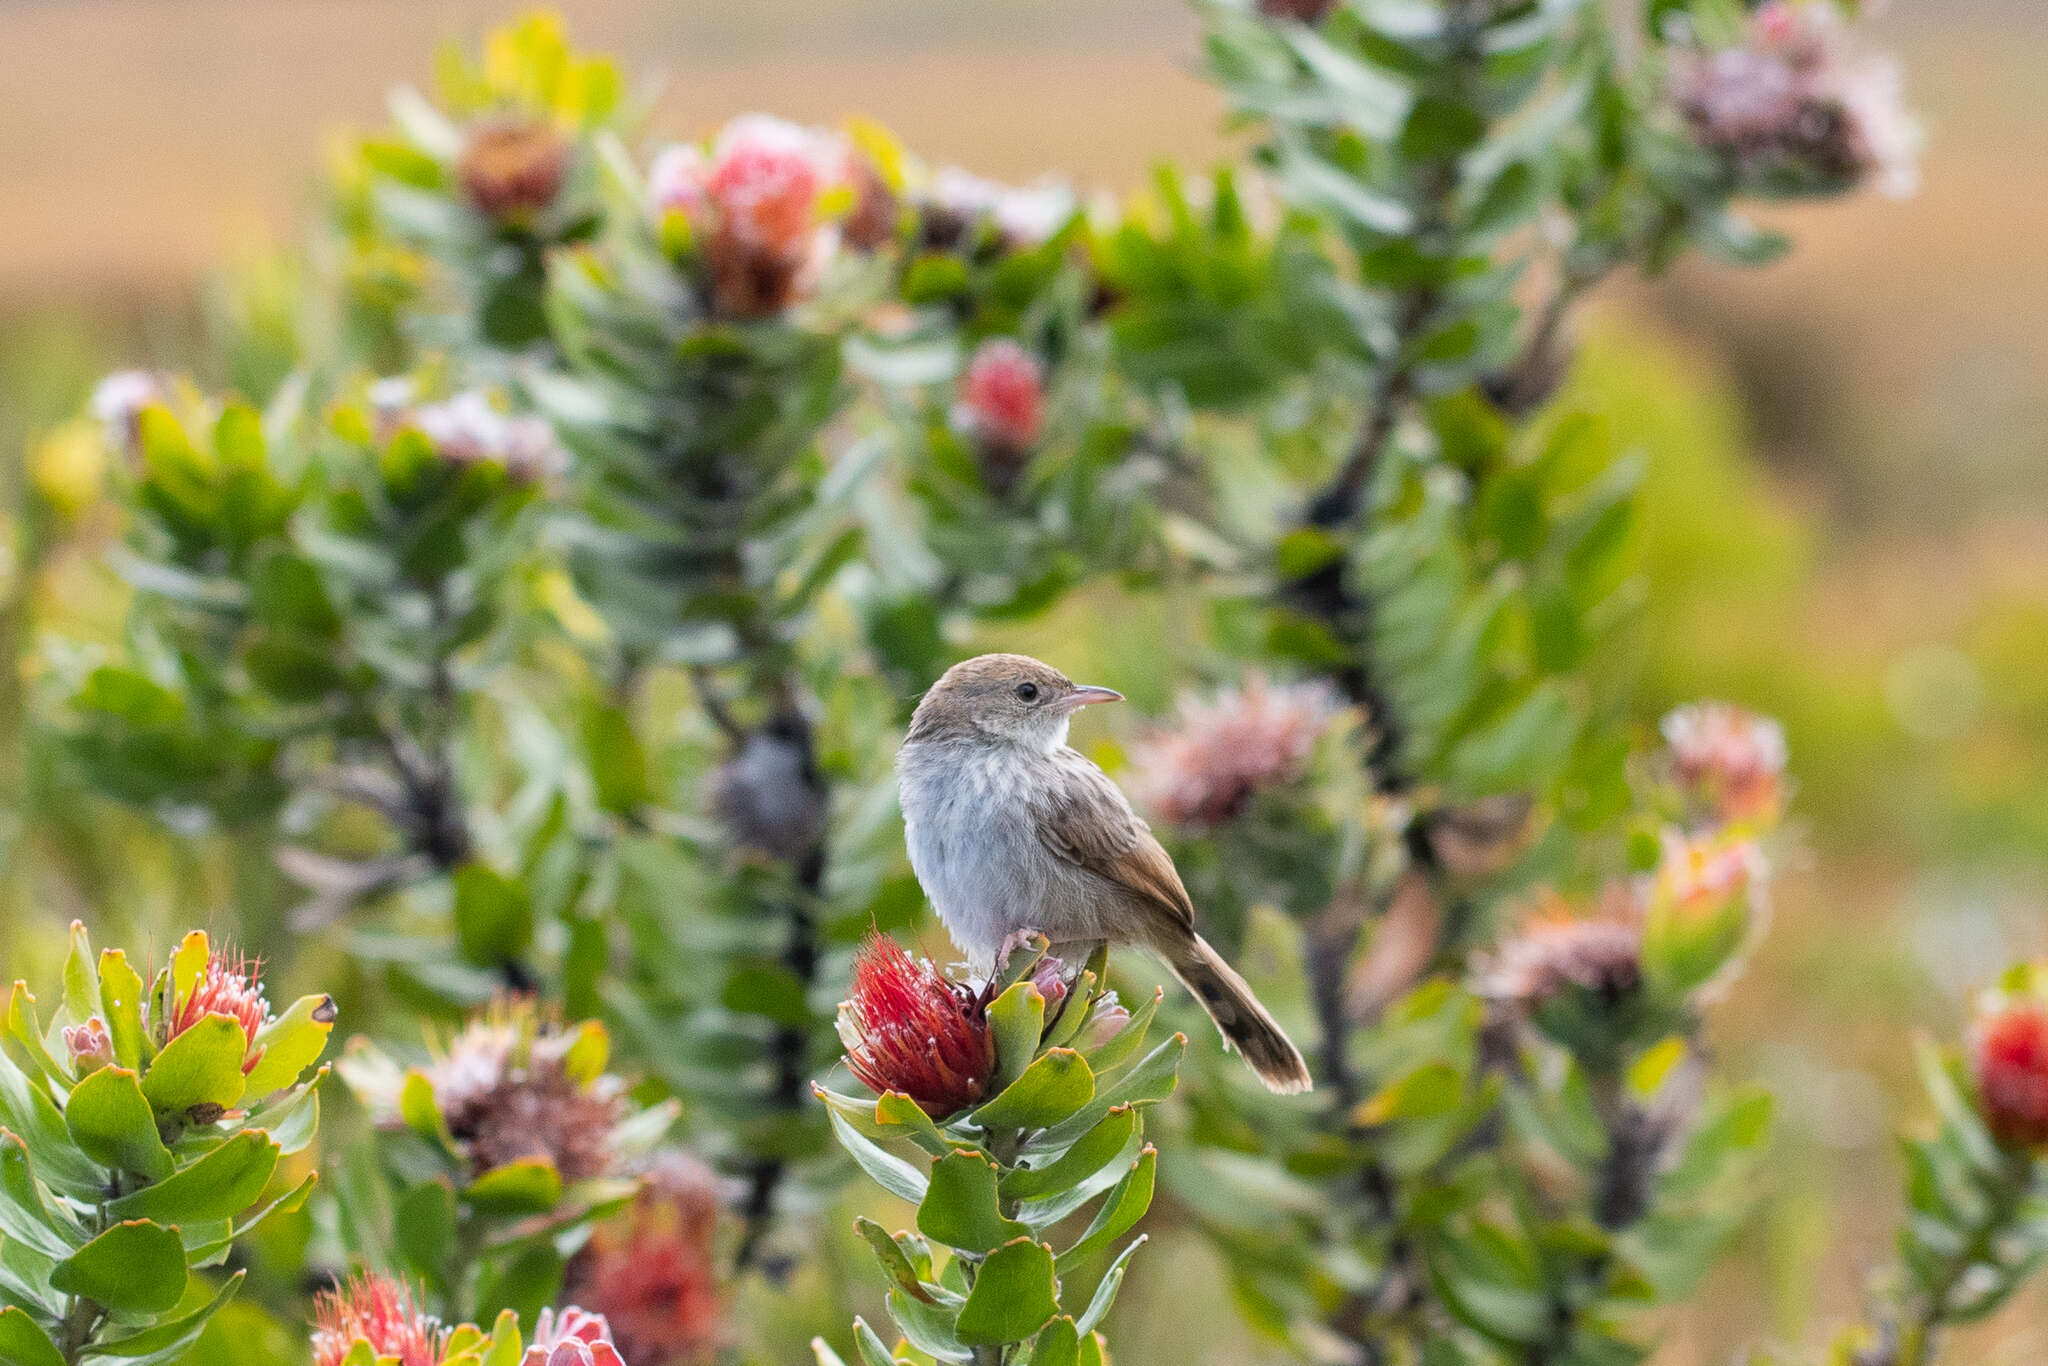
1028 691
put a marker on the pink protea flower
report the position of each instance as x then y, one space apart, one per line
1730 762
1703 871
1218 753
908 1029
1793 105
1002 397
381 1312
466 430
512 168
652 1269
2009 1057
1558 949
88 1046
576 1337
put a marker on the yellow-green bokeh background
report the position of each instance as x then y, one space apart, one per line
1847 522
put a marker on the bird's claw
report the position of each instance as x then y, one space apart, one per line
1033 940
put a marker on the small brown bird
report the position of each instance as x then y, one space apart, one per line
1011 832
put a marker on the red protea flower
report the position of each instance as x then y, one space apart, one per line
231 984
1730 762
651 1270
381 1312
2009 1055
1002 405
908 1029
511 169
1220 752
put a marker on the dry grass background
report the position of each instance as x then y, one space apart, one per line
1892 378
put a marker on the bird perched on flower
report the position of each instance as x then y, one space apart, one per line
1011 832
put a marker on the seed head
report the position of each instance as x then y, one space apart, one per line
908 1029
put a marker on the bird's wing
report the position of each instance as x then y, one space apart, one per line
1084 819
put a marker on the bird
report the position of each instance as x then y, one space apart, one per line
1011 831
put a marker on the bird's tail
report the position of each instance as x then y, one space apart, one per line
1244 1022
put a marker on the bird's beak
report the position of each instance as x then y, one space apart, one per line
1086 695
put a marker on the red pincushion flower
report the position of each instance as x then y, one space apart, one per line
1002 398
908 1029
381 1312
2009 1048
231 985
652 1270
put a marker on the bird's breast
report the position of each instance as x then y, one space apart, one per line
968 822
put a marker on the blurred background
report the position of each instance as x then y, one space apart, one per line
1847 525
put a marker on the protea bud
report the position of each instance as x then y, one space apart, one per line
511 169
1730 762
2009 1057
651 1270
88 1046
381 1312
1220 752
906 1028
1002 408
1791 108
1703 900
574 1337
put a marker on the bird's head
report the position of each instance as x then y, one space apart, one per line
1004 699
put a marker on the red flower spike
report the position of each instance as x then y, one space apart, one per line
908 1029
381 1312
2009 1055
1002 397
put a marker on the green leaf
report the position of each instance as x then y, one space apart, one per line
110 1120
895 1261
202 1066
1150 1080
135 1267
291 1202
618 765
493 916
929 1327
873 1351
527 1185
1105 1290
1017 1018
1939 1075
168 1341
219 1185
525 1283
23 1342
1059 1344
1056 1084
960 1208
24 1215
290 1044
1119 1214
121 1008
1086 1156
81 981
1014 1296
1123 1045
294 1120
27 1111
421 1113
891 1172
423 1231
24 1037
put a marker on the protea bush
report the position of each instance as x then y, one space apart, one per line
541 631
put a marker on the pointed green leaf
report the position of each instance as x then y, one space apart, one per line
121 1008
507 1347
27 1111
421 1112
202 1066
1014 1296
81 982
1105 1291
900 1116
929 1327
1122 1046
891 1172
24 1216
23 1341
109 1119
1086 1156
135 1267
895 1261
1059 1344
960 1208
291 1202
873 1351
294 1120
290 1044
1055 1085
219 1185
170 1340
24 1038
1151 1079
1119 1214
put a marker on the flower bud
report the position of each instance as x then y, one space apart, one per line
1702 900
2009 1058
574 1338
908 1029
1002 406
512 169
1729 762
88 1045
1577 978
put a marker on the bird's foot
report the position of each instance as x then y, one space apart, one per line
1032 941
